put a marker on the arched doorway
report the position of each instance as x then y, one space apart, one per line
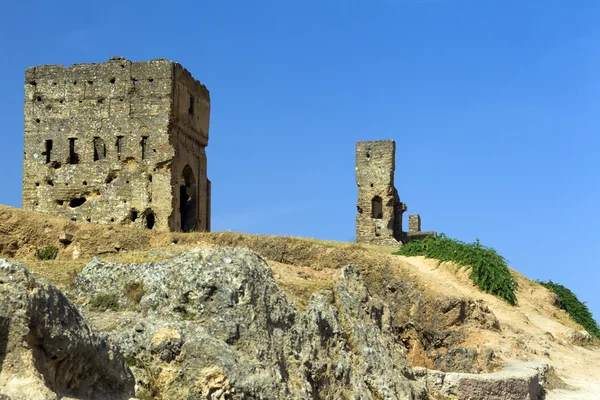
188 200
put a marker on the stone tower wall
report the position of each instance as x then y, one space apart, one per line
189 133
103 144
379 217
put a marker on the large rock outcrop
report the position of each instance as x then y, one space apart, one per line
212 323
47 351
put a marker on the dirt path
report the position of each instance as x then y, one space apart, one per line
535 330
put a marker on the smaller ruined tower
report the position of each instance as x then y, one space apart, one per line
379 218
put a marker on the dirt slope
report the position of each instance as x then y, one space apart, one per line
445 322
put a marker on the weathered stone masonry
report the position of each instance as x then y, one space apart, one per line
380 211
118 142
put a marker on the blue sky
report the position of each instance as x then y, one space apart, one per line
493 105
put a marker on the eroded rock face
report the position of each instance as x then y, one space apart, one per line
217 326
46 349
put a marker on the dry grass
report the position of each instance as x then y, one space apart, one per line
299 283
62 272
22 232
302 266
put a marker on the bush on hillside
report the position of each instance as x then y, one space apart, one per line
47 253
103 302
575 308
489 270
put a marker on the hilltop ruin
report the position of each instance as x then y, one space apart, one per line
380 211
117 142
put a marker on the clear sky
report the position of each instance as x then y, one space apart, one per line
493 105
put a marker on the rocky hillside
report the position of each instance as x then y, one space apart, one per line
47 349
230 316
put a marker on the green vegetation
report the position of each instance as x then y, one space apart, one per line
488 268
104 302
575 308
134 292
131 361
47 253
185 314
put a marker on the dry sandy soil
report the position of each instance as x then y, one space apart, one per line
535 330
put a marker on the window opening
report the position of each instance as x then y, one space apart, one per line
144 146
188 200
119 146
73 157
191 109
150 220
77 202
377 208
48 152
99 149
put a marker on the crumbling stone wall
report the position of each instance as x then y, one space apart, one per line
380 211
414 229
117 142
414 223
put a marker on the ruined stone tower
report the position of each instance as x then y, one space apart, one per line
380 211
379 218
117 142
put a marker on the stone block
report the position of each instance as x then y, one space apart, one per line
65 238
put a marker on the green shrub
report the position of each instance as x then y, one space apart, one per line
103 302
47 253
131 361
489 270
185 314
134 291
575 308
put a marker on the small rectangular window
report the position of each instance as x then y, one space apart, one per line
48 152
144 146
119 146
99 149
191 109
73 157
